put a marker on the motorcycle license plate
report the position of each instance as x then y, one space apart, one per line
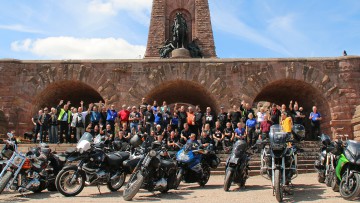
234 160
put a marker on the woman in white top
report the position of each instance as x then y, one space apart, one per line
260 115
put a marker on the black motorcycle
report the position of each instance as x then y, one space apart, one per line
195 163
154 170
94 167
322 163
33 171
237 165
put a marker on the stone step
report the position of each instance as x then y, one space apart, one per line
257 167
257 162
257 172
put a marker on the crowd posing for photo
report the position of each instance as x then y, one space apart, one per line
66 124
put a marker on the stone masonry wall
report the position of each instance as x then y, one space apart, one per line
329 83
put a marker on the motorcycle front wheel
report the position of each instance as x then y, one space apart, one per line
278 186
115 184
4 181
179 177
205 177
133 186
228 179
334 183
67 184
320 178
350 191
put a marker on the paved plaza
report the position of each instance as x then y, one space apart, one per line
258 189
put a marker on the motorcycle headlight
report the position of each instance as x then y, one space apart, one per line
17 161
152 153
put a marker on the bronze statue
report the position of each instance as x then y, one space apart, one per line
195 51
179 30
165 50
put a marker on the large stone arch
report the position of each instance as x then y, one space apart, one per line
313 78
73 91
284 90
182 91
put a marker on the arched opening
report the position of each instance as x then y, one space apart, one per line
181 91
283 91
73 91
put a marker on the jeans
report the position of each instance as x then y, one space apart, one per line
44 130
53 134
134 125
79 132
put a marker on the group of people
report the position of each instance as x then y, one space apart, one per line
168 125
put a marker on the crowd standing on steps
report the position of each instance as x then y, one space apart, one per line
65 123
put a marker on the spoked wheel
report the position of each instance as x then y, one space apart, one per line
320 178
206 176
334 183
351 190
228 179
279 193
133 186
70 184
5 180
116 183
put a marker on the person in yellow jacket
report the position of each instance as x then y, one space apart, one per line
64 119
286 122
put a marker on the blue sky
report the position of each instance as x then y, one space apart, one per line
96 29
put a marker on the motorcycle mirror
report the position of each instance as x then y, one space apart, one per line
10 135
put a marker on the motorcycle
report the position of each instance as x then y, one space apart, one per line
29 172
279 160
237 165
154 170
195 164
322 163
348 170
94 167
7 150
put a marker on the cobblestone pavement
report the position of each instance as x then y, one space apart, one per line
258 189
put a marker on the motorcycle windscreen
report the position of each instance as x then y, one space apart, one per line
184 157
352 151
239 148
278 140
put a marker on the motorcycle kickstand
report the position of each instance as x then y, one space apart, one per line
98 187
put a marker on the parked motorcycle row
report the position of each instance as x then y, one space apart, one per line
338 165
150 166
96 162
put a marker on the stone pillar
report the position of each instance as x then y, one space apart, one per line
356 123
156 30
197 15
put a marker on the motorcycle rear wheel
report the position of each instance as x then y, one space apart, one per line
278 186
353 192
228 179
133 186
5 180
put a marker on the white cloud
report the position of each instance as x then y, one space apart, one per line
19 28
80 48
137 9
230 23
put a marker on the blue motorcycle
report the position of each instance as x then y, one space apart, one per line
195 163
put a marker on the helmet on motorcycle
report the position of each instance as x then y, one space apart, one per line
136 141
299 131
34 151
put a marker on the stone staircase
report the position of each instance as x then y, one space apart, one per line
306 160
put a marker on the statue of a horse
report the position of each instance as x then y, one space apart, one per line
179 30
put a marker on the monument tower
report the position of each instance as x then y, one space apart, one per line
199 29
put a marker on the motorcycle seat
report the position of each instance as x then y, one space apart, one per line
118 156
352 151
